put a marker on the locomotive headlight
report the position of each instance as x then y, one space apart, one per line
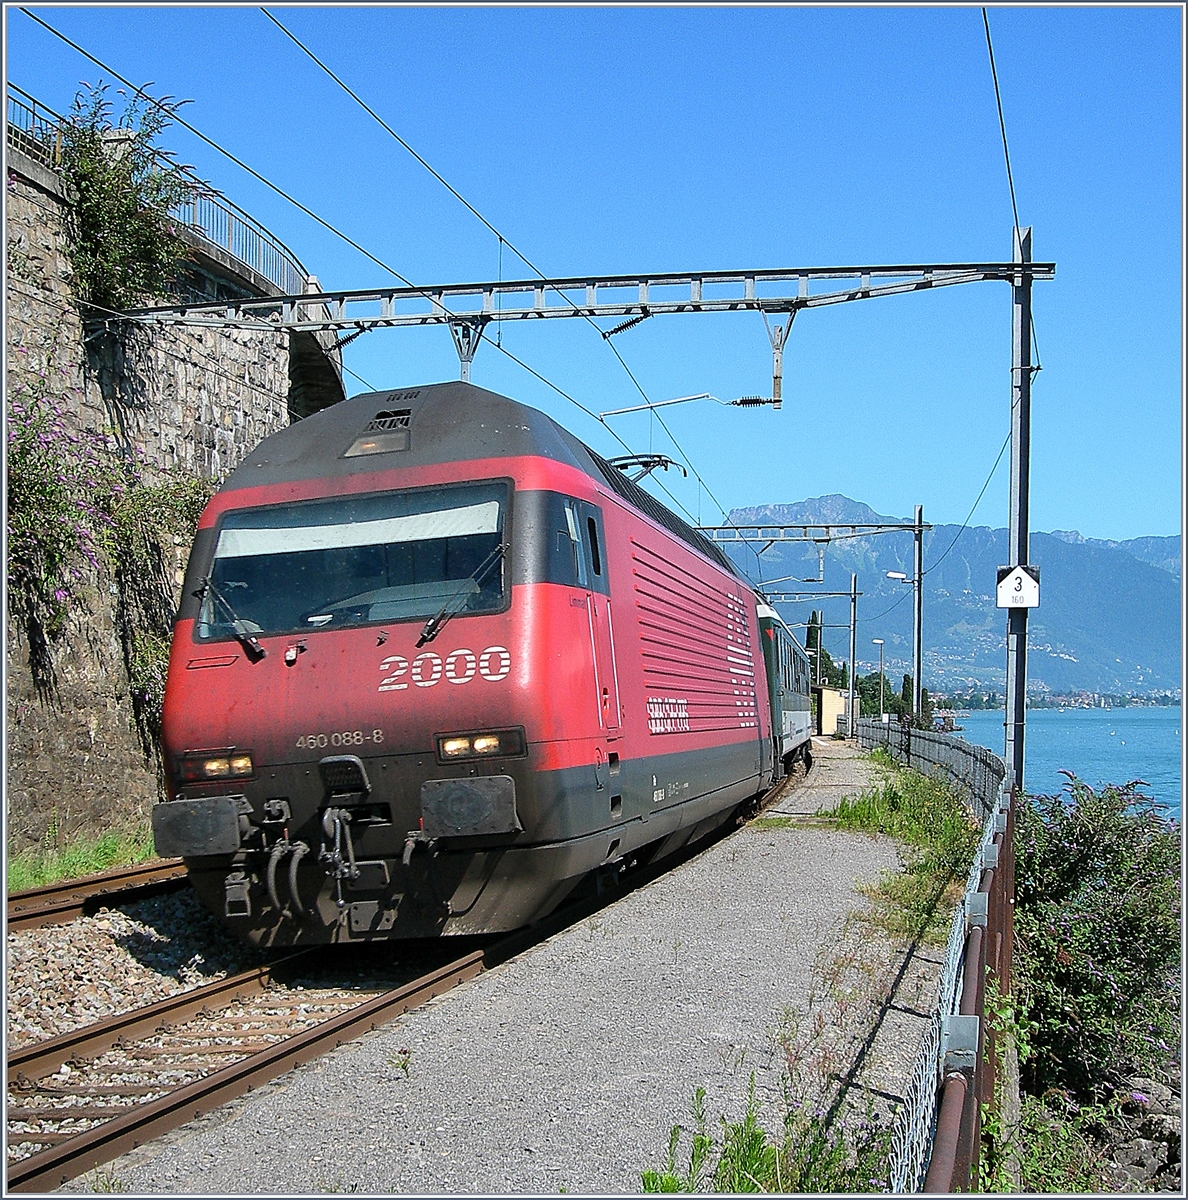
214 765
457 747
500 743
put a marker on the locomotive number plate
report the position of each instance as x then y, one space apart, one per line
346 737
459 667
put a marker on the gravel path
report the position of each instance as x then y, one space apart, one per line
567 1067
840 769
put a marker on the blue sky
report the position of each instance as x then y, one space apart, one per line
627 140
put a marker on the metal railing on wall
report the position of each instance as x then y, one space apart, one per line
937 1132
36 131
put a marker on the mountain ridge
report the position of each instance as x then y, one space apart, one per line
1108 621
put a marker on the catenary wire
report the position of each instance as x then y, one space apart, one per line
1001 121
255 174
965 523
428 166
1006 153
969 516
350 241
503 240
549 383
226 153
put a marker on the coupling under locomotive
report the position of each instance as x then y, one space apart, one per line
436 661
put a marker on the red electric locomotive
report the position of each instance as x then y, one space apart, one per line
436 661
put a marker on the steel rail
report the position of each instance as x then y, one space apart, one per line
58 902
60 1163
29 1063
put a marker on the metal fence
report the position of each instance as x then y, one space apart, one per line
36 131
935 1136
33 129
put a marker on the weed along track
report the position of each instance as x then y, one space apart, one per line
64 901
79 1100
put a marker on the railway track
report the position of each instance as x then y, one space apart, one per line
64 901
81 1099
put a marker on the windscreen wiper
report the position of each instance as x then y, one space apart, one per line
437 623
246 639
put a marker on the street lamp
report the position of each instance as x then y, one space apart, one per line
879 642
916 638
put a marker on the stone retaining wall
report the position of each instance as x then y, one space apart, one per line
198 400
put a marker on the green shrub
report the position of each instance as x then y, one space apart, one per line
77 503
1097 930
1057 1151
124 247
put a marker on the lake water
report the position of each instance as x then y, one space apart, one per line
1098 745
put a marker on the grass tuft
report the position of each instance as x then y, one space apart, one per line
772 822
939 835
809 1155
37 868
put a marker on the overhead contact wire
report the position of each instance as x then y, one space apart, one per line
503 240
139 91
284 195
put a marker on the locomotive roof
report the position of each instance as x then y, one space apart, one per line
438 423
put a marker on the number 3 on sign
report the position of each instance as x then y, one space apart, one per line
1018 587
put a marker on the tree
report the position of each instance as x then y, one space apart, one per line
868 689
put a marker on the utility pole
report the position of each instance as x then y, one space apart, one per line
918 616
852 730
1019 535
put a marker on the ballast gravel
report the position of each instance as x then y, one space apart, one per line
61 977
565 1068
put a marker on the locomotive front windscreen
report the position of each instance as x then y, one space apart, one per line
351 560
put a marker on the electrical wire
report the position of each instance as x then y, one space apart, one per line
226 153
1001 121
866 620
964 524
375 116
503 240
1006 153
139 91
969 516
549 383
